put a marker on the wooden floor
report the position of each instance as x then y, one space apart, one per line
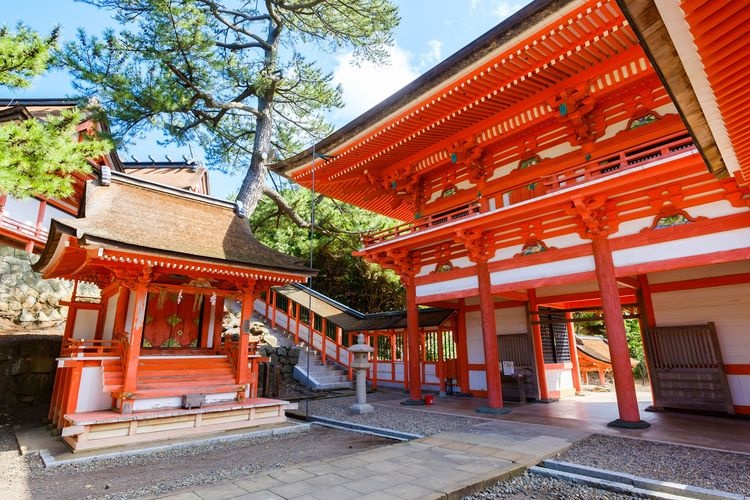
104 429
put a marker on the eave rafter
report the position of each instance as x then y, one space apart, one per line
558 51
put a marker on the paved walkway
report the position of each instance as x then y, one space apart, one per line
445 465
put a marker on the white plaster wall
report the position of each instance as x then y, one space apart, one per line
729 308
85 325
686 247
560 379
547 270
477 380
713 210
91 395
109 319
690 273
455 285
507 322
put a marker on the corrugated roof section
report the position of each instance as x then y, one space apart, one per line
721 31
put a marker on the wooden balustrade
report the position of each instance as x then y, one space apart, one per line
451 215
552 176
76 348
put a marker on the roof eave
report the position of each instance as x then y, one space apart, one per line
447 69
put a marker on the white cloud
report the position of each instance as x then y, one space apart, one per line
504 8
434 55
365 84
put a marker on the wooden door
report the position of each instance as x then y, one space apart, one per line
519 349
172 322
686 368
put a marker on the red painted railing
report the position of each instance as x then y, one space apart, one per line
22 230
79 348
451 215
551 179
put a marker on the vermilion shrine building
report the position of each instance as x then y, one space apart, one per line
147 360
581 155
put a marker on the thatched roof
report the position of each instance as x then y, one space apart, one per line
350 319
139 216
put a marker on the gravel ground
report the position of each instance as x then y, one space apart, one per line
529 485
24 477
417 422
681 464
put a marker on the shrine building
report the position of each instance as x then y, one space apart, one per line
584 155
146 360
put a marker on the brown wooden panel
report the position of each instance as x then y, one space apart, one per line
687 371
517 348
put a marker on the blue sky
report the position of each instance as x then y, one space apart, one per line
430 30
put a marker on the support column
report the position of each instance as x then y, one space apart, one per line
134 342
412 341
462 347
218 320
489 339
573 353
536 336
627 404
248 297
121 312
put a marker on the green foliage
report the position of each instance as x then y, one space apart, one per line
343 277
231 76
24 54
40 157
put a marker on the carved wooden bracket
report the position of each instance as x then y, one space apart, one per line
400 260
595 218
575 108
471 155
734 193
479 244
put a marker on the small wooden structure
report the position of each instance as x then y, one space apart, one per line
146 360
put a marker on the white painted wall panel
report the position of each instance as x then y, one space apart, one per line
727 306
686 247
739 386
477 381
109 320
91 395
85 325
547 270
455 285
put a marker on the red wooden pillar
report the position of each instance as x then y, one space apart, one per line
374 344
121 313
412 339
463 347
248 297
339 335
536 337
218 323
627 404
323 339
71 394
268 301
489 337
296 324
311 329
440 368
573 352
274 297
134 345
647 319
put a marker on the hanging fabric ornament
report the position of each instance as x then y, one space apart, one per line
197 301
179 297
213 299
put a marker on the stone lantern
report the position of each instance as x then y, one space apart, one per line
360 365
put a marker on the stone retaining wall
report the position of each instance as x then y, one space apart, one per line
285 357
27 368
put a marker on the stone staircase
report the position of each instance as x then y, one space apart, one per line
320 377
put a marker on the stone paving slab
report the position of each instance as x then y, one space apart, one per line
446 465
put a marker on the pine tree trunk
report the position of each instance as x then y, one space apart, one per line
255 178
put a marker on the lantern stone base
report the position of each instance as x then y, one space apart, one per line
361 408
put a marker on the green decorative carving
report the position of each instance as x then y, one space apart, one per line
533 247
643 120
173 320
449 191
171 342
146 343
671 221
